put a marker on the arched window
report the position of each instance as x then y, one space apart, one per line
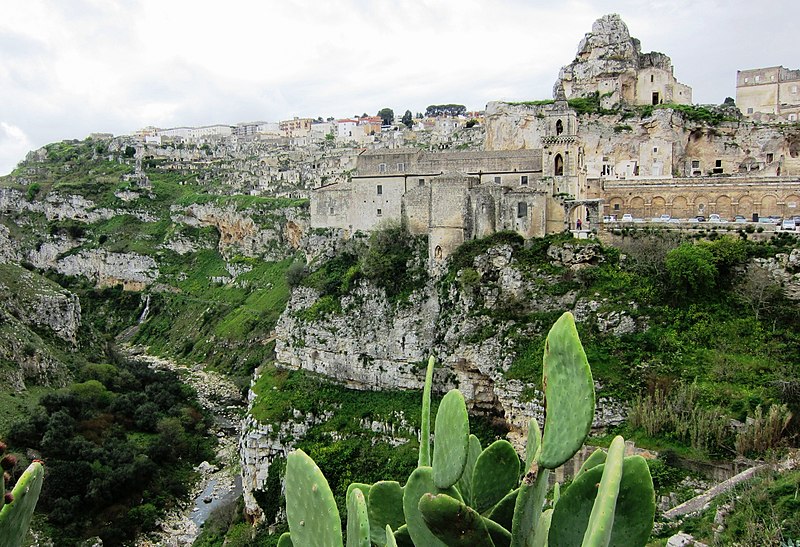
438 252
522 209
559 165
559 127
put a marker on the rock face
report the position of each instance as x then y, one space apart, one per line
251 232
784 270
35 300
28 304
131 270
610 62
375 344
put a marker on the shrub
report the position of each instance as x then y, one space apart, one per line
296 273
691 270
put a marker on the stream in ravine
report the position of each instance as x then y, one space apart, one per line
219 484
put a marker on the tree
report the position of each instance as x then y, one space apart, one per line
445 110
407 119
691 270
387 114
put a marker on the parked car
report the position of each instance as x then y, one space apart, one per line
627 217
739 218
610 218
788 224
713 217
663 218
796 220
699 218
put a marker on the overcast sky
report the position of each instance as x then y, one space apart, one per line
72 67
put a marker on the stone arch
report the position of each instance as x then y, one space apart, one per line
723 207
791 199
658 206
701 205
559 165
746 207
769 206
616 206
636 207
559 127
680 207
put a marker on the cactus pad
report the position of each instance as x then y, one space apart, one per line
15 517
420 483
464 484
496 473
635 507
357 520
451 440
310 507
385 508
285 540
569 394
425 427
453 522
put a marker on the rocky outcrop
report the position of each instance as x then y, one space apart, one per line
132 271
8 251
65 207
375 344
255 232
37 301
783 270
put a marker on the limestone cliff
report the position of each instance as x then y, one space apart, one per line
475 329
29 305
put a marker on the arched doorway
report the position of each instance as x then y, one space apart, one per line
559 165
680 208
559 127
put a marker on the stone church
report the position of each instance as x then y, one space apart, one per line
543 166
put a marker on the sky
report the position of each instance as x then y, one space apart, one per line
72 67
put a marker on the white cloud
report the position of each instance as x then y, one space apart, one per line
14 144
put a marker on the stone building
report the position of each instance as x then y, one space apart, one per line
772 91
610 62
543 166
456 196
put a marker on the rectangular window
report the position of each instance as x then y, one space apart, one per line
497 180
718 163
616 206
695 164
381 168
770 157
380 189
794 89
401 167
380 212
422 182
655 150
750 110
523 179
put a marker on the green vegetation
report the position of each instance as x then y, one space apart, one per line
121 427
466 495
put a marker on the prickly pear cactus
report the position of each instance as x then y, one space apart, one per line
474 496
569 394
357 520
310 506
453 522
451 446
15 516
